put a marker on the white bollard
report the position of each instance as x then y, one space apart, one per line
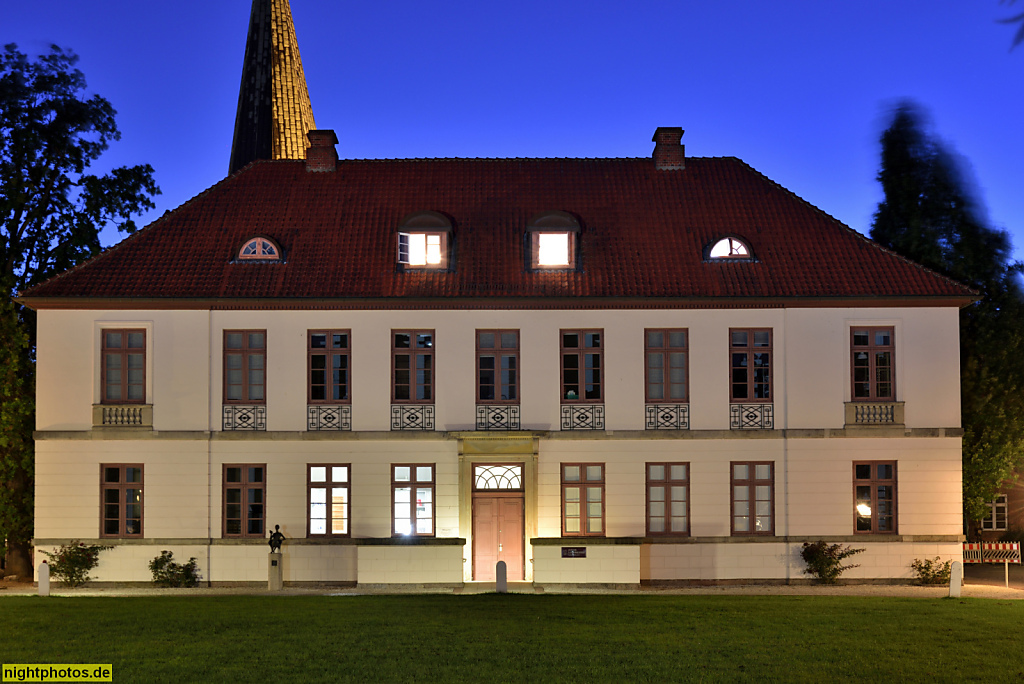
44 579
956 579
501 578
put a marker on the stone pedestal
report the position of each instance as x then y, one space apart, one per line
275 572
44 579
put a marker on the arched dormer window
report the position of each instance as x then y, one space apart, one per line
729 248
261 249
553 238
424 241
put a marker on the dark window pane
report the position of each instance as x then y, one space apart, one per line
570 340
862 471
112 475
402 340
340 341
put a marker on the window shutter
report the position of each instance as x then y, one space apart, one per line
403 248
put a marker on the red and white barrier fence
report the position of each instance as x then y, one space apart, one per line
993 552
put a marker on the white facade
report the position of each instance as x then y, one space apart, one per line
811 445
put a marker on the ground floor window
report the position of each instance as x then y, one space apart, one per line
874 497
244 500
412 497
753 498
583 499
121 494
668 498
995 519
328 486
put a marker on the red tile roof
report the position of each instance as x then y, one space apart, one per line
644 234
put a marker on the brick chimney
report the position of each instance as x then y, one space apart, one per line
668 150
321 155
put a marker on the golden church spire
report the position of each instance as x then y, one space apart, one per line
274 113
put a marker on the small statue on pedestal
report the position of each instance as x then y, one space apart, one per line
275 539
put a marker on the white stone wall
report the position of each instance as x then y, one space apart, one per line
811 356
782 561
604 564
184 455
410 564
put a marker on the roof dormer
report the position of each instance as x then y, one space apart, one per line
424 241
552 239
259 248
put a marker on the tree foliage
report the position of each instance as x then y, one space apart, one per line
16 417
930 214
51 214
51 131
1018 37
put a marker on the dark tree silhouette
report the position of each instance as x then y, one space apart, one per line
51 213
930 214
1016 19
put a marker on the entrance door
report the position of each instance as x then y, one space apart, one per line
497 535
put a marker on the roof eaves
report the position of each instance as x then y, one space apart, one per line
955 283
132 236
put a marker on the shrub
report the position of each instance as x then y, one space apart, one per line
72 562
932 571
825 561
167 573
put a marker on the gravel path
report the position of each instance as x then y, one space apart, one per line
969 591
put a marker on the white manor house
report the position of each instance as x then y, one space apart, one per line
599 371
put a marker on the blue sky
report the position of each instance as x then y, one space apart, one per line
800 90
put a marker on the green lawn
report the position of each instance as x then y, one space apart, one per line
496 638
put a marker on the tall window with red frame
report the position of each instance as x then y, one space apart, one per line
497 366
412 368
750 361
329 363
124 366
873 351
245 489
666 366
874 493
245 366
582 366
121 494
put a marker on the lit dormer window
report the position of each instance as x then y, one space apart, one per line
552 238
729 248
260 248
423 241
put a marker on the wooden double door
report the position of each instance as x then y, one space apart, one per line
498 535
